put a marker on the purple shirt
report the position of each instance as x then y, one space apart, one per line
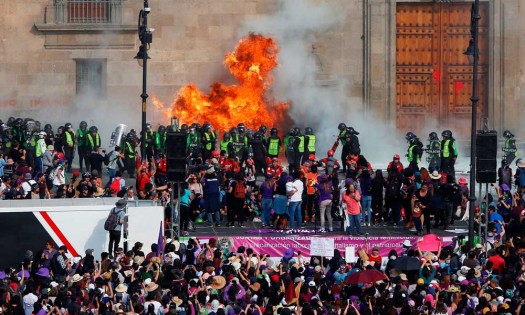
267 192
324 194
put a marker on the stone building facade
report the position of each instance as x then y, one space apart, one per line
57 67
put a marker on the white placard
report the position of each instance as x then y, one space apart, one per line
322 246
350 254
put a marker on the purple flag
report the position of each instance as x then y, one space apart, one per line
160 241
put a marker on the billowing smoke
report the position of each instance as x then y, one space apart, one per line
295 25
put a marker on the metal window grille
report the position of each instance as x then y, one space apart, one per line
88 11
91 77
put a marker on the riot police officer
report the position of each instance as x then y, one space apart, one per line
309 143
433 152
160 140
209 139
292 152
263 130
149 137
226 141
30 145
82 147
129 149
415 151
274 143
509 147
353 141
19 132
259 153
193 144
50 138
300 146
238 145
449 153
69 145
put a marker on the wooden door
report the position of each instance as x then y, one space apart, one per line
433 77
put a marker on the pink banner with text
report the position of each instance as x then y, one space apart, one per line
275 246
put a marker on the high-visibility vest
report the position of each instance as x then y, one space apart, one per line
224 145
209 137
446 148
435 148
39 152
160 141
342 136
273 146
147 138
81 138
300 147
32 141
69 139
311 143
130 150
411 157
96 143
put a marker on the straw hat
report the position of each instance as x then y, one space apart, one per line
218 282
155 260
76 278
121 288
177 300
152 287
435 175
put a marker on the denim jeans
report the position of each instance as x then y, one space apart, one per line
111 173
353 221
366 204
266 204
215 214
294 208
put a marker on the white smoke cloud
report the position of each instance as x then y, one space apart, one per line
295 26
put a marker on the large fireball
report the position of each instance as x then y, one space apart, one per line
249 102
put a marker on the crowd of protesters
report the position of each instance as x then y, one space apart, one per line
192 277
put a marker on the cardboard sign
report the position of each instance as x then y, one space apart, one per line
350 254
322 246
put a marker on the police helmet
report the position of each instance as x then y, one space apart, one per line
433 136
161 128
249 132
263 129
446 134
3 127
507 134
60 129
47 128
83 125
93 129
18 122
192 130
342 126
258 136
352 131
42 134
274 131
297 131
227 136
241 127
292 132
170 129
206 126
234 131
409 136
67 126
10 122
30 125
38 125
308 131
148 126
184 128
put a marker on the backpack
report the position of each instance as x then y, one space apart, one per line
392 190
239 191
112 220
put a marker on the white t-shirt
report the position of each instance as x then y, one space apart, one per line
296 186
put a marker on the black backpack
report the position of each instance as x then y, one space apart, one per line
392 190
112 220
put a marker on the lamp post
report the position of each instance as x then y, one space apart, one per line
146 38
472 53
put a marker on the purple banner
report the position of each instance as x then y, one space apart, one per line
275 246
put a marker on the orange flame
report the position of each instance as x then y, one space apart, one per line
250 102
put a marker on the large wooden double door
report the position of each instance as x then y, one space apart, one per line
433 76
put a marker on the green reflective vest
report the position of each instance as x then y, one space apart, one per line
300 147
285 141
81 138
130 150
160 141
93 143
411 157
446 148
224 145
208 137
311 143
273 146
342 136
39 152
69 139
